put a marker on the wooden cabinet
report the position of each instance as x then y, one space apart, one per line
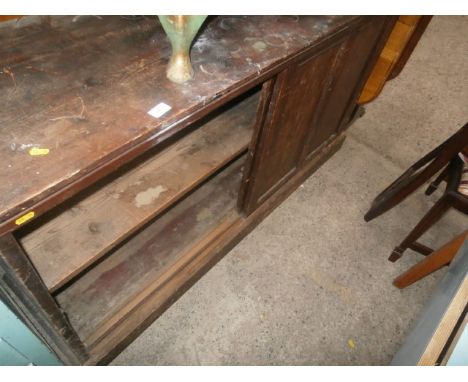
123 211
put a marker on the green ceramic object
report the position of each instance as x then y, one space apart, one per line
181 31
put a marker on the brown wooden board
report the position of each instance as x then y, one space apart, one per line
108 292
281 140
82 87
344 79
69 242
309 101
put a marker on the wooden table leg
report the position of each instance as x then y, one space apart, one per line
431 263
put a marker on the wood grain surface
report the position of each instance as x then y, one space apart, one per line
309 105
399 45
96 301
81 88
66 244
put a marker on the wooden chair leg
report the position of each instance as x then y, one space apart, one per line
433 186
431 217
443 256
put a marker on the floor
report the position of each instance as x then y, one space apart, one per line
311 285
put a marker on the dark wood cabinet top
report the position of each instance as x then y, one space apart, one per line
77 91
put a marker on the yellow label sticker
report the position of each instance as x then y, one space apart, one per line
37 151
25 218
351 344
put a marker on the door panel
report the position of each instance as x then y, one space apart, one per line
280 143
311 102
344 79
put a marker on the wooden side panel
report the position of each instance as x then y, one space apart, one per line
262 111
395 47
344 76
279 144
413 41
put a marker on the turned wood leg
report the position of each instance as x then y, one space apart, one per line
431 263
431 217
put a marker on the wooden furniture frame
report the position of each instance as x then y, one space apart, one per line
417 175
109 214
436 260
394 56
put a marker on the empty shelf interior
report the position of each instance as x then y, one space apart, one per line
111 290
68 241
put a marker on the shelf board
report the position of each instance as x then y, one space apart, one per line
69 242
107 294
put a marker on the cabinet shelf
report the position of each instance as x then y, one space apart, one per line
74 238
117 289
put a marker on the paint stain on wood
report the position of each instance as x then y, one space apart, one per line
147 197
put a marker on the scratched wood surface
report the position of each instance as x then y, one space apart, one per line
67 243
81 88
97 299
